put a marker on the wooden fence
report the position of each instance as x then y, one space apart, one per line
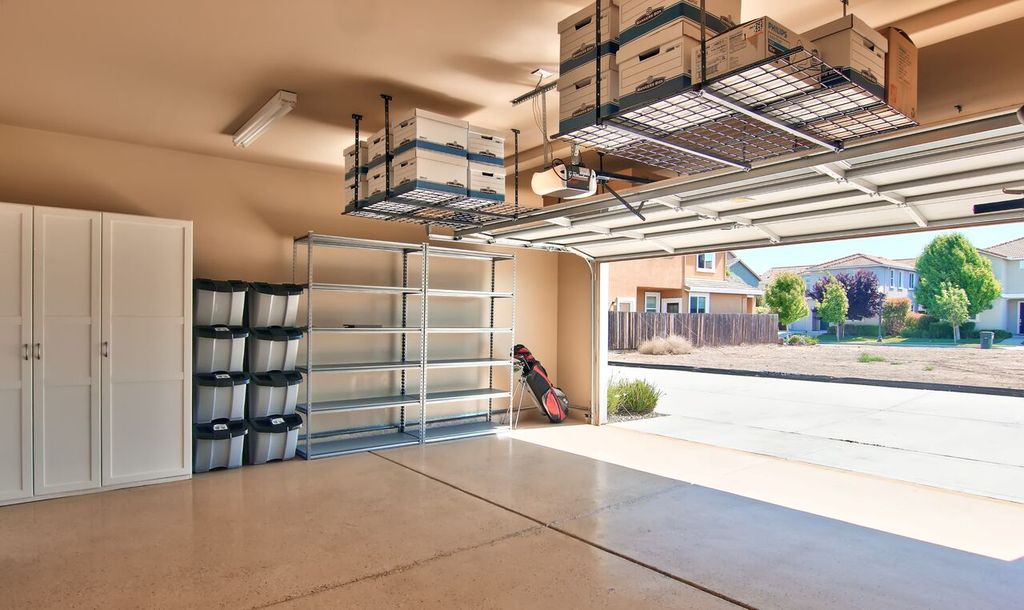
626 330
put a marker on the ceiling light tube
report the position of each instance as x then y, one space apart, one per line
276 107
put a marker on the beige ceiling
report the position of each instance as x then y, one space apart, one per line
186 74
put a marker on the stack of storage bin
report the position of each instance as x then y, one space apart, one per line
486 154
577 87
272 352
219 393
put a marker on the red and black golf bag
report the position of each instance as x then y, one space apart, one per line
551 401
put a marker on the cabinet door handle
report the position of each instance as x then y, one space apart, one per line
39 351
24 351
105 349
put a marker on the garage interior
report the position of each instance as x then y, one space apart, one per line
143 209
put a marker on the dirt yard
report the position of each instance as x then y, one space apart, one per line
1000 368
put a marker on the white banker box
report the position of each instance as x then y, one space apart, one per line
751 43
432 128
419 164
851 43
636 12
656 57
576 89
577 32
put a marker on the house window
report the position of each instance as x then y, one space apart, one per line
652 301
899 280
913 281
706 261
625 304
671 305
892 277
699 303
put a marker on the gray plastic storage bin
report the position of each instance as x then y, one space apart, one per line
273 349
273 438
219 396
218 445
273 393
219 348
273 304
218 302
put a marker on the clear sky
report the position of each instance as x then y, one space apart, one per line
894 246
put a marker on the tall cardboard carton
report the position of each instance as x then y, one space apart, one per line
901 72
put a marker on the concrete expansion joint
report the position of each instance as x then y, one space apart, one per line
629 502
530 531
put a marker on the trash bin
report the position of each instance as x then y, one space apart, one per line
273 349
219 348
218 445
273 438
987 338
219 396
273 304
219 302
273 393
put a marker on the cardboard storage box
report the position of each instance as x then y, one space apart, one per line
375 181
435 170
658 57
577 34
901 72
375 148
486 146
351 162
748 44
432 130
638 17
577 89
850 43
486 181
350 188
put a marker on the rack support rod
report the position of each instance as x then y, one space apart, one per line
743 165
768 120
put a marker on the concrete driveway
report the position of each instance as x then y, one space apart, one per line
964 442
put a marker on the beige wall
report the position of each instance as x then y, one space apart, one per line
246 214
731 303
665 275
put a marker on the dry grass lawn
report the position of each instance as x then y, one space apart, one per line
962 365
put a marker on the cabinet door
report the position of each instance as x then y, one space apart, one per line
15 362
147 338
66 336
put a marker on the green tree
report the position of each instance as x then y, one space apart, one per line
785 297
834 306
953 306
951 258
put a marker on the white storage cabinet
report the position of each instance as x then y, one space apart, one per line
94 357
273 393
273 304
219 302
219 396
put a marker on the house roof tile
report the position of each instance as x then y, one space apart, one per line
727 286
860 260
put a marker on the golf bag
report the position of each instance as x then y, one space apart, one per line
551 401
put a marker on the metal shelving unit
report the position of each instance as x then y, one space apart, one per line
422 428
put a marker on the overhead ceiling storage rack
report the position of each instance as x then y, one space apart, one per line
923 178
403 430
412 203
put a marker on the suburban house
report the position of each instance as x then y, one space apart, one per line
739 269
694 283
1007 312
896 278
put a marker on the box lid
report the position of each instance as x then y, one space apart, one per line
277 379
278 289
849 22
276 424
568 80
220 285
487 133
221 332
433 116
428 150
277 333
222 379
220 430
578 20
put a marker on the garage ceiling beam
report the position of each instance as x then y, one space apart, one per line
838 172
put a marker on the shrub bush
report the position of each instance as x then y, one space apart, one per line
860 330
637 397
801 340
912 325
894 315
661 346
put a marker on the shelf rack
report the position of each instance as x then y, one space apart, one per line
423 428
789 103
420 203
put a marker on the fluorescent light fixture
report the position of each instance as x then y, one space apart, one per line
275 108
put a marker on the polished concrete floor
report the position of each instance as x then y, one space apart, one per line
492 522
964 442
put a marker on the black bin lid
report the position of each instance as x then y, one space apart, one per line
221 332
277 333
277 379
221 379
278 289
220 430
220 285
276 424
